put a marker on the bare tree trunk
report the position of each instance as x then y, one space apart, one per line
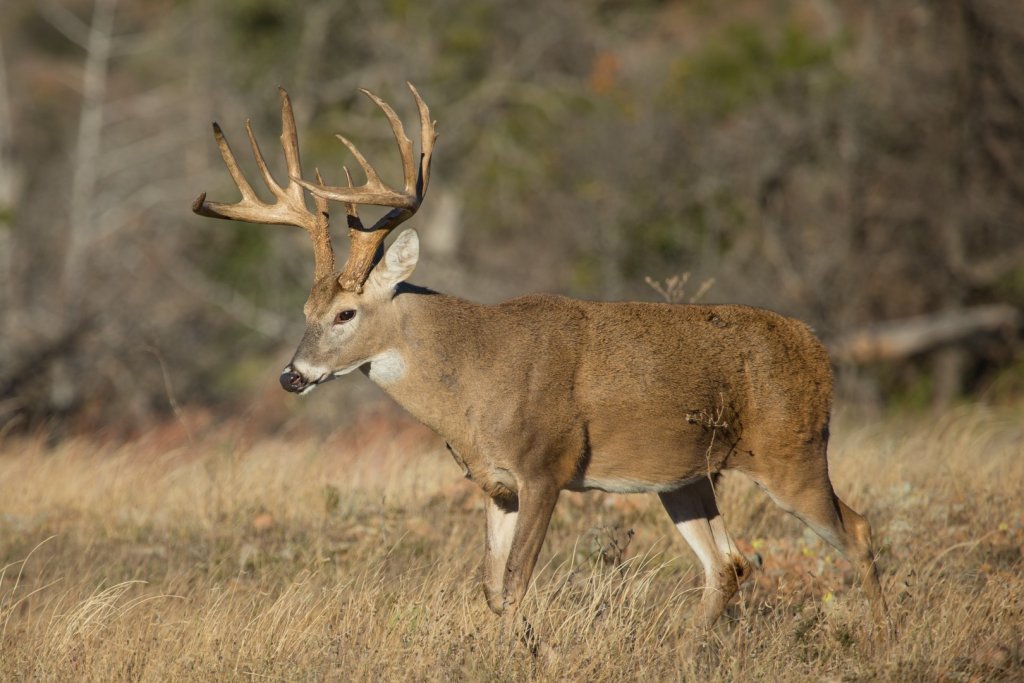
10 183
947 376
87 152
316 23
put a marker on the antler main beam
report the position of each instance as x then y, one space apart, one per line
289 207
367 241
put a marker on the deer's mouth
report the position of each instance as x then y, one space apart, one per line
295 382
314 384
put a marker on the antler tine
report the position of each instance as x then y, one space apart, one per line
290 144
403 141
261 163
229 160
354 222
367 242
427 138
372 179
290 205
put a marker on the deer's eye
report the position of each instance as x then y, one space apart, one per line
344 316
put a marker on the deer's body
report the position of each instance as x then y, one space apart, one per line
622 397
544 393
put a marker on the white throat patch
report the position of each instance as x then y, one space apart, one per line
387 367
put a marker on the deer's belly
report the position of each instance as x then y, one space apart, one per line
628 484
649 457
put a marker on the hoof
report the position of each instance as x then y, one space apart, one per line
495 600
496 605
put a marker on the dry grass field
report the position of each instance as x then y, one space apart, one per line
209 553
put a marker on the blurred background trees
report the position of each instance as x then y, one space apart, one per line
845 162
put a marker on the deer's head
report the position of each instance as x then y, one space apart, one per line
350 319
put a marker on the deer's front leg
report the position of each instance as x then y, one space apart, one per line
501 525
536 503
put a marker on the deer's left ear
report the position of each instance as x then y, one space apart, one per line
397 264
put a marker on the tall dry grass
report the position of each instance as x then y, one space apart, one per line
222 556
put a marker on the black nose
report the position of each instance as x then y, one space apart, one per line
292 381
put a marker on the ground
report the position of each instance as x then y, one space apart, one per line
204 550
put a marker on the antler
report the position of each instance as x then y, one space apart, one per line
367 241
290 205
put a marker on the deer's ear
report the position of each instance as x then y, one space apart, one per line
397 264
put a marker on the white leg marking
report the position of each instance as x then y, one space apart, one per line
688 516
501 527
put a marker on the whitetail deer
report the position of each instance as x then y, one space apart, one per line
544 393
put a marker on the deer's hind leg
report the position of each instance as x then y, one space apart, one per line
799 483
695 513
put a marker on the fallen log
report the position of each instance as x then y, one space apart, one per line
896 339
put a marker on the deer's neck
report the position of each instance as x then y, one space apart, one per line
435 347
